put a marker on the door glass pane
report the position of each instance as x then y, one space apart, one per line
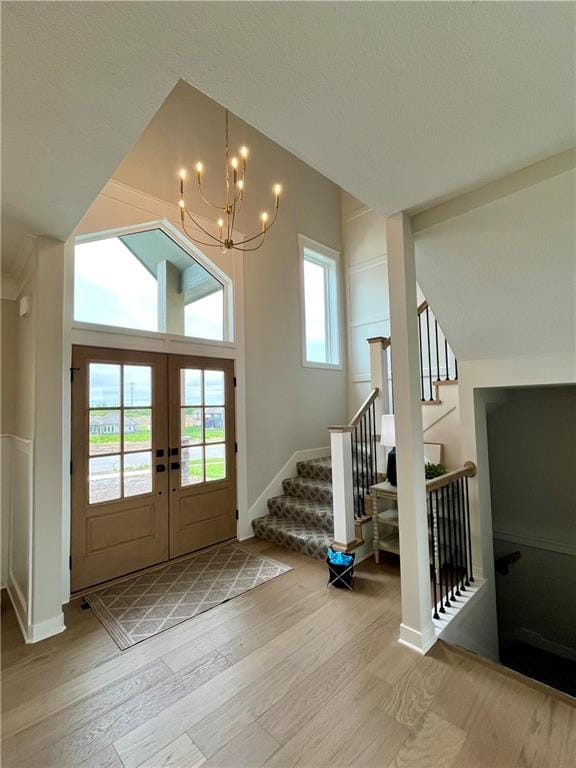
137 385
191 426
191 386
104 385
104 479
104 432
137 473
137 429
215 462
192 464
214 425
214 388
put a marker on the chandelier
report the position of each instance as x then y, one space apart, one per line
234 191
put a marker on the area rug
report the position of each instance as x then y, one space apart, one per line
145 605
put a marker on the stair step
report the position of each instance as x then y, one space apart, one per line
312 490
306 539
315 469
302 511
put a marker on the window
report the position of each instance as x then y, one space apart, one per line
147 281
321 305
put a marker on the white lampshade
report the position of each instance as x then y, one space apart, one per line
388 431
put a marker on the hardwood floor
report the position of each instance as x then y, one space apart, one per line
288 674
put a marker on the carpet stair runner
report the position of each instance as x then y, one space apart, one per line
302 518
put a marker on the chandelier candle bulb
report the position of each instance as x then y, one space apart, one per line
233 196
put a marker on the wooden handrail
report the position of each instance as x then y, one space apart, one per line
364 407
361 411
422 307
468 470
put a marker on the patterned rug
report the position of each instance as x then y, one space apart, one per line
142 606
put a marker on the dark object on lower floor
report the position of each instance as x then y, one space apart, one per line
391 467
547 668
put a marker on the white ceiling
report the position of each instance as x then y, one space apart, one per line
402 104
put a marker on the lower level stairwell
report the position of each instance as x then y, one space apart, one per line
302 518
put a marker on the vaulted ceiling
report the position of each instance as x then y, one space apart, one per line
402 104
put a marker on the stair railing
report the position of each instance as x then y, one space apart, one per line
437 360
449 537
354 469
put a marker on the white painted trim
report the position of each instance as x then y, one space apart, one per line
459 606
336 334
46 628
371 263
415 640
274 487
530 637
369 321
21 603
562 548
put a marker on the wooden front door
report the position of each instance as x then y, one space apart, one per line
153 465
202 453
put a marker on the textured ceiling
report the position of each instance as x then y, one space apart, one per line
402 104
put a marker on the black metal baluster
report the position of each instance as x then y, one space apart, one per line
444 564
455 368
355 468
437 351
362 468
457 542
446 359
451 538
375 443
431 542
463 536
429 353
421 363
471 577
439 550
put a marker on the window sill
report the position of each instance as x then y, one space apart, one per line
323 366
155 335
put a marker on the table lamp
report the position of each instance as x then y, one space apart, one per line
388 438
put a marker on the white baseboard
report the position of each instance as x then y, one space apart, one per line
421 642
530 637
32 633
47 628
274 488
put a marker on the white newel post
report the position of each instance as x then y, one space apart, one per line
417 629
379 380
342 486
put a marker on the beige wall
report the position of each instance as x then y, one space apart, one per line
8 323
366 267
289 407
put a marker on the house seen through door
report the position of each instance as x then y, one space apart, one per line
153 464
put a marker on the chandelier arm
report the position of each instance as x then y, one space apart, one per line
199 242
268 227
205 199
251 249
217 239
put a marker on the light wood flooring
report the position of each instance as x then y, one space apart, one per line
288 674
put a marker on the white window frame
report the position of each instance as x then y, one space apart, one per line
329 259
195 253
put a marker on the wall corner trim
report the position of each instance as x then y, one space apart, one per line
421 642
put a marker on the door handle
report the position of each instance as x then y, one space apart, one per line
159 453
160 468
175 465
173 451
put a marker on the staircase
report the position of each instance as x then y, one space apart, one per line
302 518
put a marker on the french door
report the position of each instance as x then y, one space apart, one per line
153 464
